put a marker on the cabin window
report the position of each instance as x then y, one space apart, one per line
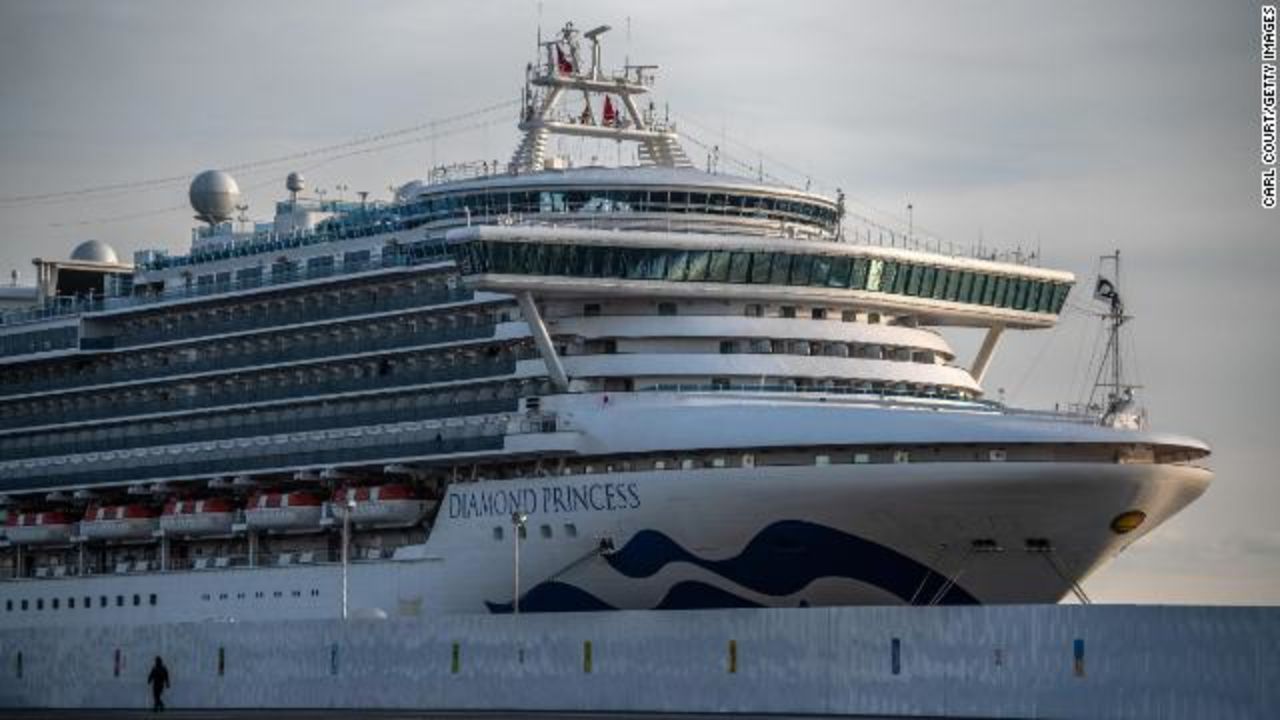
546 531
88 602
861 458
818 314
754 310
24 605
591 309
571 530
71 603
821 459
152 599
667 308
137 600
901 456
728 347
39 603
56 603
119 601
102 601
8 606
497 533
787 311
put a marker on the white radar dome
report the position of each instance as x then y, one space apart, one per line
214 195
95 251
295 182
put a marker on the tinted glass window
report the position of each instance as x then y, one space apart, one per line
719 269
740 267
760 265
781 269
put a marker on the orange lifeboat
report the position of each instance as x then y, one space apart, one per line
381 505
118 522
294 511
194 518
39 528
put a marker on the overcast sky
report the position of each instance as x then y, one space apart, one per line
1076 128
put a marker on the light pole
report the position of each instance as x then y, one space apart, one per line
346 547
517 524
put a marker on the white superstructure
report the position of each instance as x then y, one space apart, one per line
608 387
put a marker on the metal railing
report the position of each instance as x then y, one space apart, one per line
399 378
251 426
407 450
298 350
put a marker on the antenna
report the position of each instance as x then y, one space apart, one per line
1118 411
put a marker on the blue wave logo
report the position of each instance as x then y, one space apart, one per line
780 560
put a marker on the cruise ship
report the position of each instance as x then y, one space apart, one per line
543 387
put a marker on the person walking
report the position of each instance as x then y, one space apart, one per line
159 682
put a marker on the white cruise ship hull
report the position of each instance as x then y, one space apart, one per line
915 532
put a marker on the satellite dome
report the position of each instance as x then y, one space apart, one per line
295 183
95 251
214 195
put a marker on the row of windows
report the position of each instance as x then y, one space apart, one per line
491 204
603 200
766 268
39 341
260 594
570 530
70 603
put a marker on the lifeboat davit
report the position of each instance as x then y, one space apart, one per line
118 522
195 518
382 505
294 511
39 528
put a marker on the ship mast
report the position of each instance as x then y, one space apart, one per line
561 71
1119 410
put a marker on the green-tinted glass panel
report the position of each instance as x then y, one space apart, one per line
699 261
915 280
760 267
875 274
635 265
780 272
677 266
1002 289
719 269
608 262
1046 298
821 270
966 287
740 267
657 262
940 283
950 289
801 268
1060 294
984 288
840 270
1020 294
888 276
859 279
900 281
1033 296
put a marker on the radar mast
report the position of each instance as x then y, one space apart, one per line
560 72
1120 409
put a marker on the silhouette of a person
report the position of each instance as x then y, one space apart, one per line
159 681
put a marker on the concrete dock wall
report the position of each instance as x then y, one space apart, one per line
1042 661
